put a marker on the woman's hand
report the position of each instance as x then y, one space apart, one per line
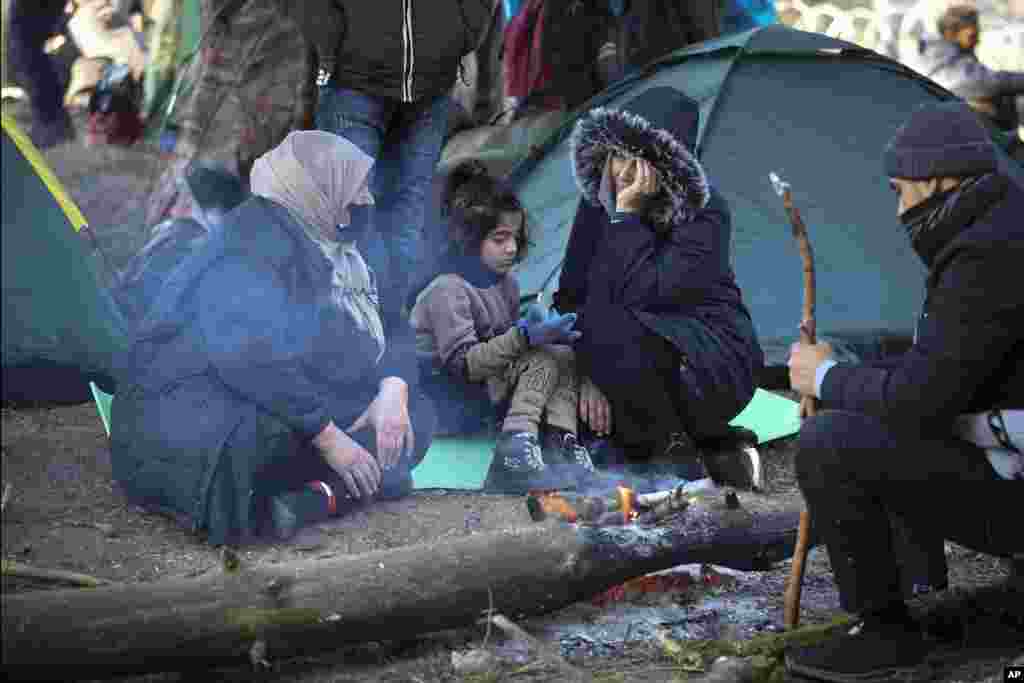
595 410
388 414
356 467
632 198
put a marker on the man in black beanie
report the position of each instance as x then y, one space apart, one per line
932 438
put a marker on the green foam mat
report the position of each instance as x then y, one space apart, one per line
102 405
770 416
455 462
461 462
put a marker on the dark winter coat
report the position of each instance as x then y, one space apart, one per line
968 355
243 331
671 266
140 281
406 50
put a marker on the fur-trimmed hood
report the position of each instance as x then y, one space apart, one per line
659 127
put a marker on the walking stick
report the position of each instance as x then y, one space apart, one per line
808 404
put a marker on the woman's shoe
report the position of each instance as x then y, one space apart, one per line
733 459
294 510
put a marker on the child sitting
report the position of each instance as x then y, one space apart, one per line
472 343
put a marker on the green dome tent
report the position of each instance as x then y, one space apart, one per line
819 112
60 327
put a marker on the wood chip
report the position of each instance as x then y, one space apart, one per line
24 571
546 653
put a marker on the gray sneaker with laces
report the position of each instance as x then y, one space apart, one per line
518 466
566 455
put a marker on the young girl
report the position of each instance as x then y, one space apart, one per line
474 348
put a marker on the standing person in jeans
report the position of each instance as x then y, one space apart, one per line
31 23
386 71
934 437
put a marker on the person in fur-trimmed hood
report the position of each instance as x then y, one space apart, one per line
668 351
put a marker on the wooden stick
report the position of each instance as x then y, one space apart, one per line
791 601
544 651
24 571
808 325
808 404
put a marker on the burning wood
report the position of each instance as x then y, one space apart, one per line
571 507
626 507
664 504
627 497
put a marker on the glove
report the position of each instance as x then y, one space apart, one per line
535 313
551 329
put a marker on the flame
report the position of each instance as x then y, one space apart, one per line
555 504
627 498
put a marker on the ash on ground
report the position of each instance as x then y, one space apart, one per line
719 604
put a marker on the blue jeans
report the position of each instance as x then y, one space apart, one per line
31 23
405 140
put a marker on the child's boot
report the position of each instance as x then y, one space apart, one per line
564 453
518 466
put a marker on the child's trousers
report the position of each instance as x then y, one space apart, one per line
542 385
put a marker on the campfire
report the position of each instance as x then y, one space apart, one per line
623 507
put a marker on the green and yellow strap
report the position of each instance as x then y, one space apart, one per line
45 173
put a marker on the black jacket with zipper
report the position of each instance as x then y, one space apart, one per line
406 50
968 355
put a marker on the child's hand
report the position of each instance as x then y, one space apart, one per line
535 313
553 329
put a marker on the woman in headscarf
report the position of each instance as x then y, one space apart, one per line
668 352
259 350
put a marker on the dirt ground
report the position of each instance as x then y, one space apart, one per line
65 512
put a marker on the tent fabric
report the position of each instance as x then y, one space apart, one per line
819 112
60 326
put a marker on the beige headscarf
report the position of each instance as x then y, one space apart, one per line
317 176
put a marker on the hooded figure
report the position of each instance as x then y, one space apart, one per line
666 336
897 440
258 349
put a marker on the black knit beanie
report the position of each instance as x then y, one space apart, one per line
943 139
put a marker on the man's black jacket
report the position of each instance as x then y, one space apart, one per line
968 355
406 50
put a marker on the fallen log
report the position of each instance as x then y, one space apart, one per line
300 608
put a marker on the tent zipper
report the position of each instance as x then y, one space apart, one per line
408 53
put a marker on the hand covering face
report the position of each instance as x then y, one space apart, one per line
317 176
